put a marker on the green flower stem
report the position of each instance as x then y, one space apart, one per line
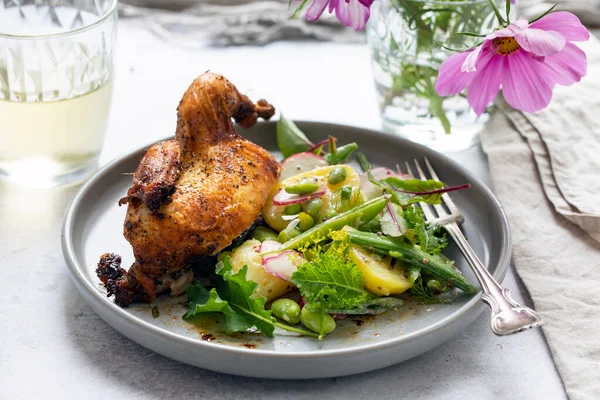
501 20
436 106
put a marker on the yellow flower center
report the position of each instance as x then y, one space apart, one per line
506 45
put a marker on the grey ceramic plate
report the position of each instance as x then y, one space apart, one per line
93 226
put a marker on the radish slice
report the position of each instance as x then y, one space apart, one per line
283 265
269 245
284 198
299 163
371 191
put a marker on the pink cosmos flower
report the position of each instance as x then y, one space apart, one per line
526 60
352 13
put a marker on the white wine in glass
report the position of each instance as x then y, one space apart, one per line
55 89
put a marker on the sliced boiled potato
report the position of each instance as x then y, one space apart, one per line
269 286
272 214
380 278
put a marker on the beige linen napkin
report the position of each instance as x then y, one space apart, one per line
546 173
565 141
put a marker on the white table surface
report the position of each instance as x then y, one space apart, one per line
54 346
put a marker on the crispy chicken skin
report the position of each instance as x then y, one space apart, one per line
192 196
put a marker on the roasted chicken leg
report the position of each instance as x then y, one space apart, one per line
192 196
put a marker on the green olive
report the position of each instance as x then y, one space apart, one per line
293 209
287 310
338 175
306 221
312 319
262 233
305 186
313 207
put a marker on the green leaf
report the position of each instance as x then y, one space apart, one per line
376 305
426 237
414 272
424 294
405 192
331 280
408 191
290 138
392 222
235 300
234 297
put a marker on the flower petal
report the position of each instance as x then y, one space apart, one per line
511 30
523 86
450 78
485 85
565 23
566 67
352 13
470 64
333 5
366 3
316 9
540 42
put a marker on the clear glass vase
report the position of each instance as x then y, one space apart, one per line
409 39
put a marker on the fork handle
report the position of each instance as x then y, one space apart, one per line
508 316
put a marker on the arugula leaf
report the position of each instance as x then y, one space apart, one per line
242 310
392 222
428 238
234 297
290 139
377 305
331 280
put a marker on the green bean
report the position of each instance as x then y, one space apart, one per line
356 217
305 186
287 310
316 321
337 175
411 254
293 209
306 221
262 233
340 154
313 207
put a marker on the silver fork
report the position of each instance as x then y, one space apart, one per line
508 316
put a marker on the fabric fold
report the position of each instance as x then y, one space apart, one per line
545 171
565 141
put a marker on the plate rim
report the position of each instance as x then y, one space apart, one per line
83 283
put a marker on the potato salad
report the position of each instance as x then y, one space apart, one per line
333 240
